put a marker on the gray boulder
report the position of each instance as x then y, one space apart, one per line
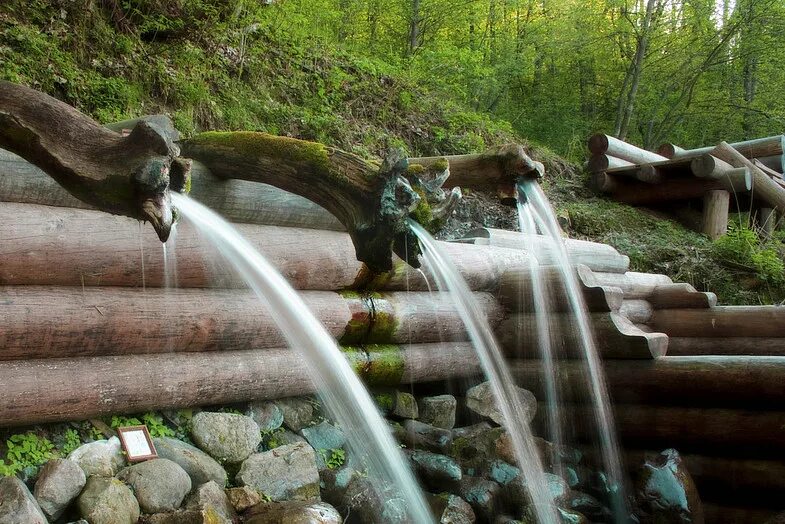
17 504
368 501
58 484
405 405
210 497
267 415
226 437
159 484
107 501
481 400
451 509
200 466
435 470
417 434
284 473
324 436
297 412
187 516
438 411
293 512
483 495
103 458
243 497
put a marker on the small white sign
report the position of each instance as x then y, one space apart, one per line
137 443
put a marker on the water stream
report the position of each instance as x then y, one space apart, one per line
339 387
532 200
504 389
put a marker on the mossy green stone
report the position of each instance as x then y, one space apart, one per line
385 365
357 358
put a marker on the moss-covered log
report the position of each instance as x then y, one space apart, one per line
122 174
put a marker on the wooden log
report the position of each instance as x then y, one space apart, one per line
715 213
722 321
680 296
236 200
604 183
669 150
721 513
708 166
711 381
516 292
636 310
76 247
764 188
49 322
488 170
767 222
604 144
633 284
51 390
775 163
688 429
671 190
128 175
615 336
759 147
758 346
594 255
598 163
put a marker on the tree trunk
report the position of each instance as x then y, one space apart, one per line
125 175
715 213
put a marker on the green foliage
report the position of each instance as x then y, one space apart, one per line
26 450
71 441
743 246
333 458
154 422
271 438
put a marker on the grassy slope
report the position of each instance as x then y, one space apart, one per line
200 77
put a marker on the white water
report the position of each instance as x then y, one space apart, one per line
542 312
342 391
508 401
609 448
170 258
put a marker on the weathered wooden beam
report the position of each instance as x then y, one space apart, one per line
605 144
679 296
633 284
604 162
594 255
722 321
637 311
53 390
776 162
720 345
715 213
764 188
516 290
767 222
50 322
615 335
76 247
759 147
688 429
710 381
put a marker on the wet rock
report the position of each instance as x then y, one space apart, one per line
211 498
334 482
577 476
324 436
200 466
368 502
102 458
405 405
438 411
421 435
470 431
665 492
297 412
477 449
267 415
293 512
243 497
501 472
451 509
569 516
587 505
226 437
286 472
107 501
483 495
516 492
287 437
160 485
186 516
59 483
480 399
433 469
17 504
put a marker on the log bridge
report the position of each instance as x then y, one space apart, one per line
697 186
87 328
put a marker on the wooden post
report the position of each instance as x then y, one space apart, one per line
767 220
715 213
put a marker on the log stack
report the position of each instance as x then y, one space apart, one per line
741 176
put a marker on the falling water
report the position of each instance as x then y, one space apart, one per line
342 391
542 310
448 278
531 196
170 258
